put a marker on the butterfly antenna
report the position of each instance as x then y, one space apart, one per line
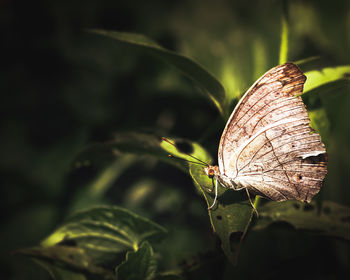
171 156
199 160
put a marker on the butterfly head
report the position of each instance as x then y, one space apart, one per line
212 171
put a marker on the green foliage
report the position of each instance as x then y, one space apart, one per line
63 163
104 231
97 237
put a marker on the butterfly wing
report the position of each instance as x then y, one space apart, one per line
268 145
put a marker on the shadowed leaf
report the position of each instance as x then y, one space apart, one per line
206 81
329 219
138 265
65 262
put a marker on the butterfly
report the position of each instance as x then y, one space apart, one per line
268 147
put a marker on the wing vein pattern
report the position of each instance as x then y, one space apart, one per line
268 145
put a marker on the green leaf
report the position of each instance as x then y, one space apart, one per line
207 82
228 217
329 218
318 78
138 265
66 262
104 232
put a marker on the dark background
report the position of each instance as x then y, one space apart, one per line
63 89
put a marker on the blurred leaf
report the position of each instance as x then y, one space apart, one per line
234 81
65 262
168 277
207 82
108 176
93 192
283 58
320 122
329 219
138 265
58 273
260 58
103 232
317 78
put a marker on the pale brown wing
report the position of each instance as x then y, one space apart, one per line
268 145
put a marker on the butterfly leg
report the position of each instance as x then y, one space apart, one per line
216 194
252 204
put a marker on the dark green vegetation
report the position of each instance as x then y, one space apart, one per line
88 191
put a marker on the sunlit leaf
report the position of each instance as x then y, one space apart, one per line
103 232
207 82
329 219
138 265
317 78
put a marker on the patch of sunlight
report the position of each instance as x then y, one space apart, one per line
140 191
135 246
232 80
53 239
